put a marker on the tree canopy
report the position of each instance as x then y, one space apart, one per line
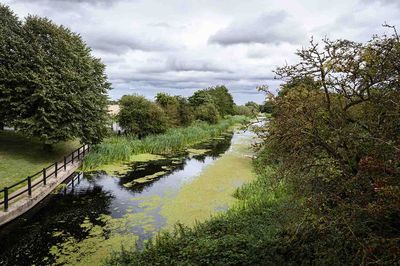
218 96
140 116
335 136
52 87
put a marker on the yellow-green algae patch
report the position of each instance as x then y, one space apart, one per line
193 152
121 168
145 179
212 190
114 235
145 157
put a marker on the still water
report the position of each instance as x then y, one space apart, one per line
104 211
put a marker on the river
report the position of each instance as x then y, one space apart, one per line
82 224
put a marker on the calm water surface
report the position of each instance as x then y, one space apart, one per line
29 239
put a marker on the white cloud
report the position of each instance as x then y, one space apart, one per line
275 28
179 46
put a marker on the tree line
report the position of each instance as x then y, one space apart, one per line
52 88
140 116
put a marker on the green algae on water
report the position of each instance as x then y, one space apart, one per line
145 179
121 168
193 152
212 191
114 234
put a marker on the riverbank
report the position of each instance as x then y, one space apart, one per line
21 156
119 149
239 236
199 196
83 224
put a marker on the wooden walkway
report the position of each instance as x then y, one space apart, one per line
38 186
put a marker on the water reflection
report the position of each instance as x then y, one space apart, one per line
28 239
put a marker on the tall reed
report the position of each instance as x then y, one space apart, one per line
121 148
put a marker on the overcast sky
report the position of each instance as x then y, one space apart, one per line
179 46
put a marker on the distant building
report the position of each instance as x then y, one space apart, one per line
113 110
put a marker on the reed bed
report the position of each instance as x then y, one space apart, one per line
121 148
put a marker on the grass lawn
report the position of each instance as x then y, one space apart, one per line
20 156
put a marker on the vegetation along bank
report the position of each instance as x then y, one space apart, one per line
328 185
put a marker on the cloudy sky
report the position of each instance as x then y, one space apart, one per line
179 46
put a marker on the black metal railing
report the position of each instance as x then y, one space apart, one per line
33 181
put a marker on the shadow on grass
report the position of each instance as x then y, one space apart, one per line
21 156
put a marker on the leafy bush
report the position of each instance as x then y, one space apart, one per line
335 134
140 116
207 112
243 110
217 96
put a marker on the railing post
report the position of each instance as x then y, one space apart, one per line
6 199
56 167
79 153
29 186
65 163
44 176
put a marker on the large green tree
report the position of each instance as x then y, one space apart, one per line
223 100
185 111
59 90
336 138
218 96
13 58
170 105
140 116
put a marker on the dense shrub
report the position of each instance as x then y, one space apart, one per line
218 96
141 117
336 136
244 110
170 106
207 112
185 111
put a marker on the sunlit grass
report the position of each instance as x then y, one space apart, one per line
120 148
21 156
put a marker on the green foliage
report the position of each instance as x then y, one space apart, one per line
207 112
253 105
170 106
185 111
51 85
12 63
140 116
222 99
218 96
244 110
336 137
119 148
266 107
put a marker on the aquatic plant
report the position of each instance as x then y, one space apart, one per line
240 236
122 148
